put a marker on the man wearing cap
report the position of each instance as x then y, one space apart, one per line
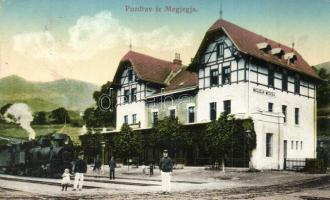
166 166
79 169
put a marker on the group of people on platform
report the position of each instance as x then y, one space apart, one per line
80 168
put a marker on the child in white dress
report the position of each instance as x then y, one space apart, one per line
65 179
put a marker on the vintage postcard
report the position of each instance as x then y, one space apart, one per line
164 99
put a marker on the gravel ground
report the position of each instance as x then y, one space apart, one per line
188 183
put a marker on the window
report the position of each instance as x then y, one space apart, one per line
284 108
126 96
296 145
220 50
133 94
296 116
172 113
191 114
270 107
292 144
126 119
297 85
214 79
134 119
285 81
301 145
269 146
213 111
130 74
226 107
226 75
271 77
155 117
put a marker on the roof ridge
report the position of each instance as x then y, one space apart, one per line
146 55
244 29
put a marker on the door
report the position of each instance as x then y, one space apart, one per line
285 153
285 149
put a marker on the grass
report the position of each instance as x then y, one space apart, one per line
15 131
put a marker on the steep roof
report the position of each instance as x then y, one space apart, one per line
246 42
183 79
149 68
157 71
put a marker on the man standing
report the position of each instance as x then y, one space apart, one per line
166 166
79 169
112 166
97 166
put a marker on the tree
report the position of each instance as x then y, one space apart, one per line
89 117
323 89
40 118
323 102
218 134
60 116
168 133
127 143
106 99
230 136
4 108
105 112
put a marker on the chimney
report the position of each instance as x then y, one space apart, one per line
177 60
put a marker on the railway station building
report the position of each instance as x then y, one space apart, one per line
236 72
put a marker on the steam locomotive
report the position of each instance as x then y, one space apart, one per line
46 156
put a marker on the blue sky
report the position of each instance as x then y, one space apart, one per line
59 27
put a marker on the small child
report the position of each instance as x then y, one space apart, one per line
65 179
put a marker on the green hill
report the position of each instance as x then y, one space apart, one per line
46 96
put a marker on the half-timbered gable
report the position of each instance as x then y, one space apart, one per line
141 79
220 64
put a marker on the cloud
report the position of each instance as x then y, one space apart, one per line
92 35
101 31
36 44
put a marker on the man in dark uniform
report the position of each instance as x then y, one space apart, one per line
112 166
166 167
97 166
79 169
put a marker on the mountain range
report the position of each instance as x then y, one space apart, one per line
46 96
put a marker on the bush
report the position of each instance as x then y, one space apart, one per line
315 166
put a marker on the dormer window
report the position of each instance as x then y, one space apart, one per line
277 52
264 46
290 57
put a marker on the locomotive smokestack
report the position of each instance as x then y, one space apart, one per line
20 113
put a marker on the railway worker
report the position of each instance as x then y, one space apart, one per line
166 167
151 168
79 169
97 167
112 167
